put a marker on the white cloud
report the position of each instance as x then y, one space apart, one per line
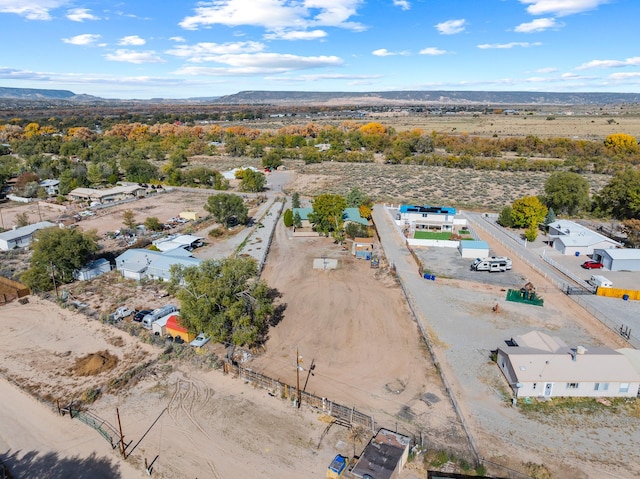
132 40
561 8
261 63
451 27
633 61
84 39
624 76
296 35
487 46
432 51
383 52
178 39
203 52
322 76
537 25
80 15
547 70
403 4
131 56
31 9
274 15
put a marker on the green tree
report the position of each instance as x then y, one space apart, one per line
252 181
621 196
567 192
632 229
66 250
152 223
356 197
504 219
287 218
550 218
236 146
224 300
94 174
297 221
273 159
129 219
527 211
227 209
295 200
356 230
327 213
138 170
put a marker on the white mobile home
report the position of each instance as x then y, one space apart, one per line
538 365
21 237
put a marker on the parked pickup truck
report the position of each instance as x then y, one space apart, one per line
121 313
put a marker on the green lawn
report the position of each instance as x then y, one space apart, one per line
431 235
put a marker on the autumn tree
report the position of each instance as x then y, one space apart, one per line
631 228
224 299
527 211
64 250
621 143
129 219
227 209
327 214
567 192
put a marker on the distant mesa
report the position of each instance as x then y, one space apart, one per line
284 98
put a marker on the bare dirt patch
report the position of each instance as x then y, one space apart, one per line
95 363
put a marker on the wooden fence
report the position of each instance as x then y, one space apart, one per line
348 415
10 290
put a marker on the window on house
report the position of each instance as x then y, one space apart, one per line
601 387
572 385
624 387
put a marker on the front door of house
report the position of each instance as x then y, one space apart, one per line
547 389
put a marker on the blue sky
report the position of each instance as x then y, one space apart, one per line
186 48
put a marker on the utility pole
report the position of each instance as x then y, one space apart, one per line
122 449
309 373
298 367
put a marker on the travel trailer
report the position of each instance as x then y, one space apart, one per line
600 281
492 264
156 314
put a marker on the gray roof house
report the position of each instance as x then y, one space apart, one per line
51 186
92 269
538 365
144 263
20 237
572 238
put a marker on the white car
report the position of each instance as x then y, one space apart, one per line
200 341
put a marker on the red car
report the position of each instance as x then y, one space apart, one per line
592 265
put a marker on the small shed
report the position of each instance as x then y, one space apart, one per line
618 259
177 330
159 327
384 457
93 269
189 215
473 249
362 248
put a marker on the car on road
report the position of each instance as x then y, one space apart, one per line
141 314
592 265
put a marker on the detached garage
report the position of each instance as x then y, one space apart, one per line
474 249
618 259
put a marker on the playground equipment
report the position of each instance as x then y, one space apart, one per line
527 294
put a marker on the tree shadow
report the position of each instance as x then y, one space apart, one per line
278 311
50 465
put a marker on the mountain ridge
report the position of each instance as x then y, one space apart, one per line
401 97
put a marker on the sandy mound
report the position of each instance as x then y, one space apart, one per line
95 363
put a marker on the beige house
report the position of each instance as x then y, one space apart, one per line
536 364
110 195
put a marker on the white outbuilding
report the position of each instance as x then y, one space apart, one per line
618 259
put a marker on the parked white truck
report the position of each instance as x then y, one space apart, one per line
492 264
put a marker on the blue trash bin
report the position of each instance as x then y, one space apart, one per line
625 297
433 277
577 253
